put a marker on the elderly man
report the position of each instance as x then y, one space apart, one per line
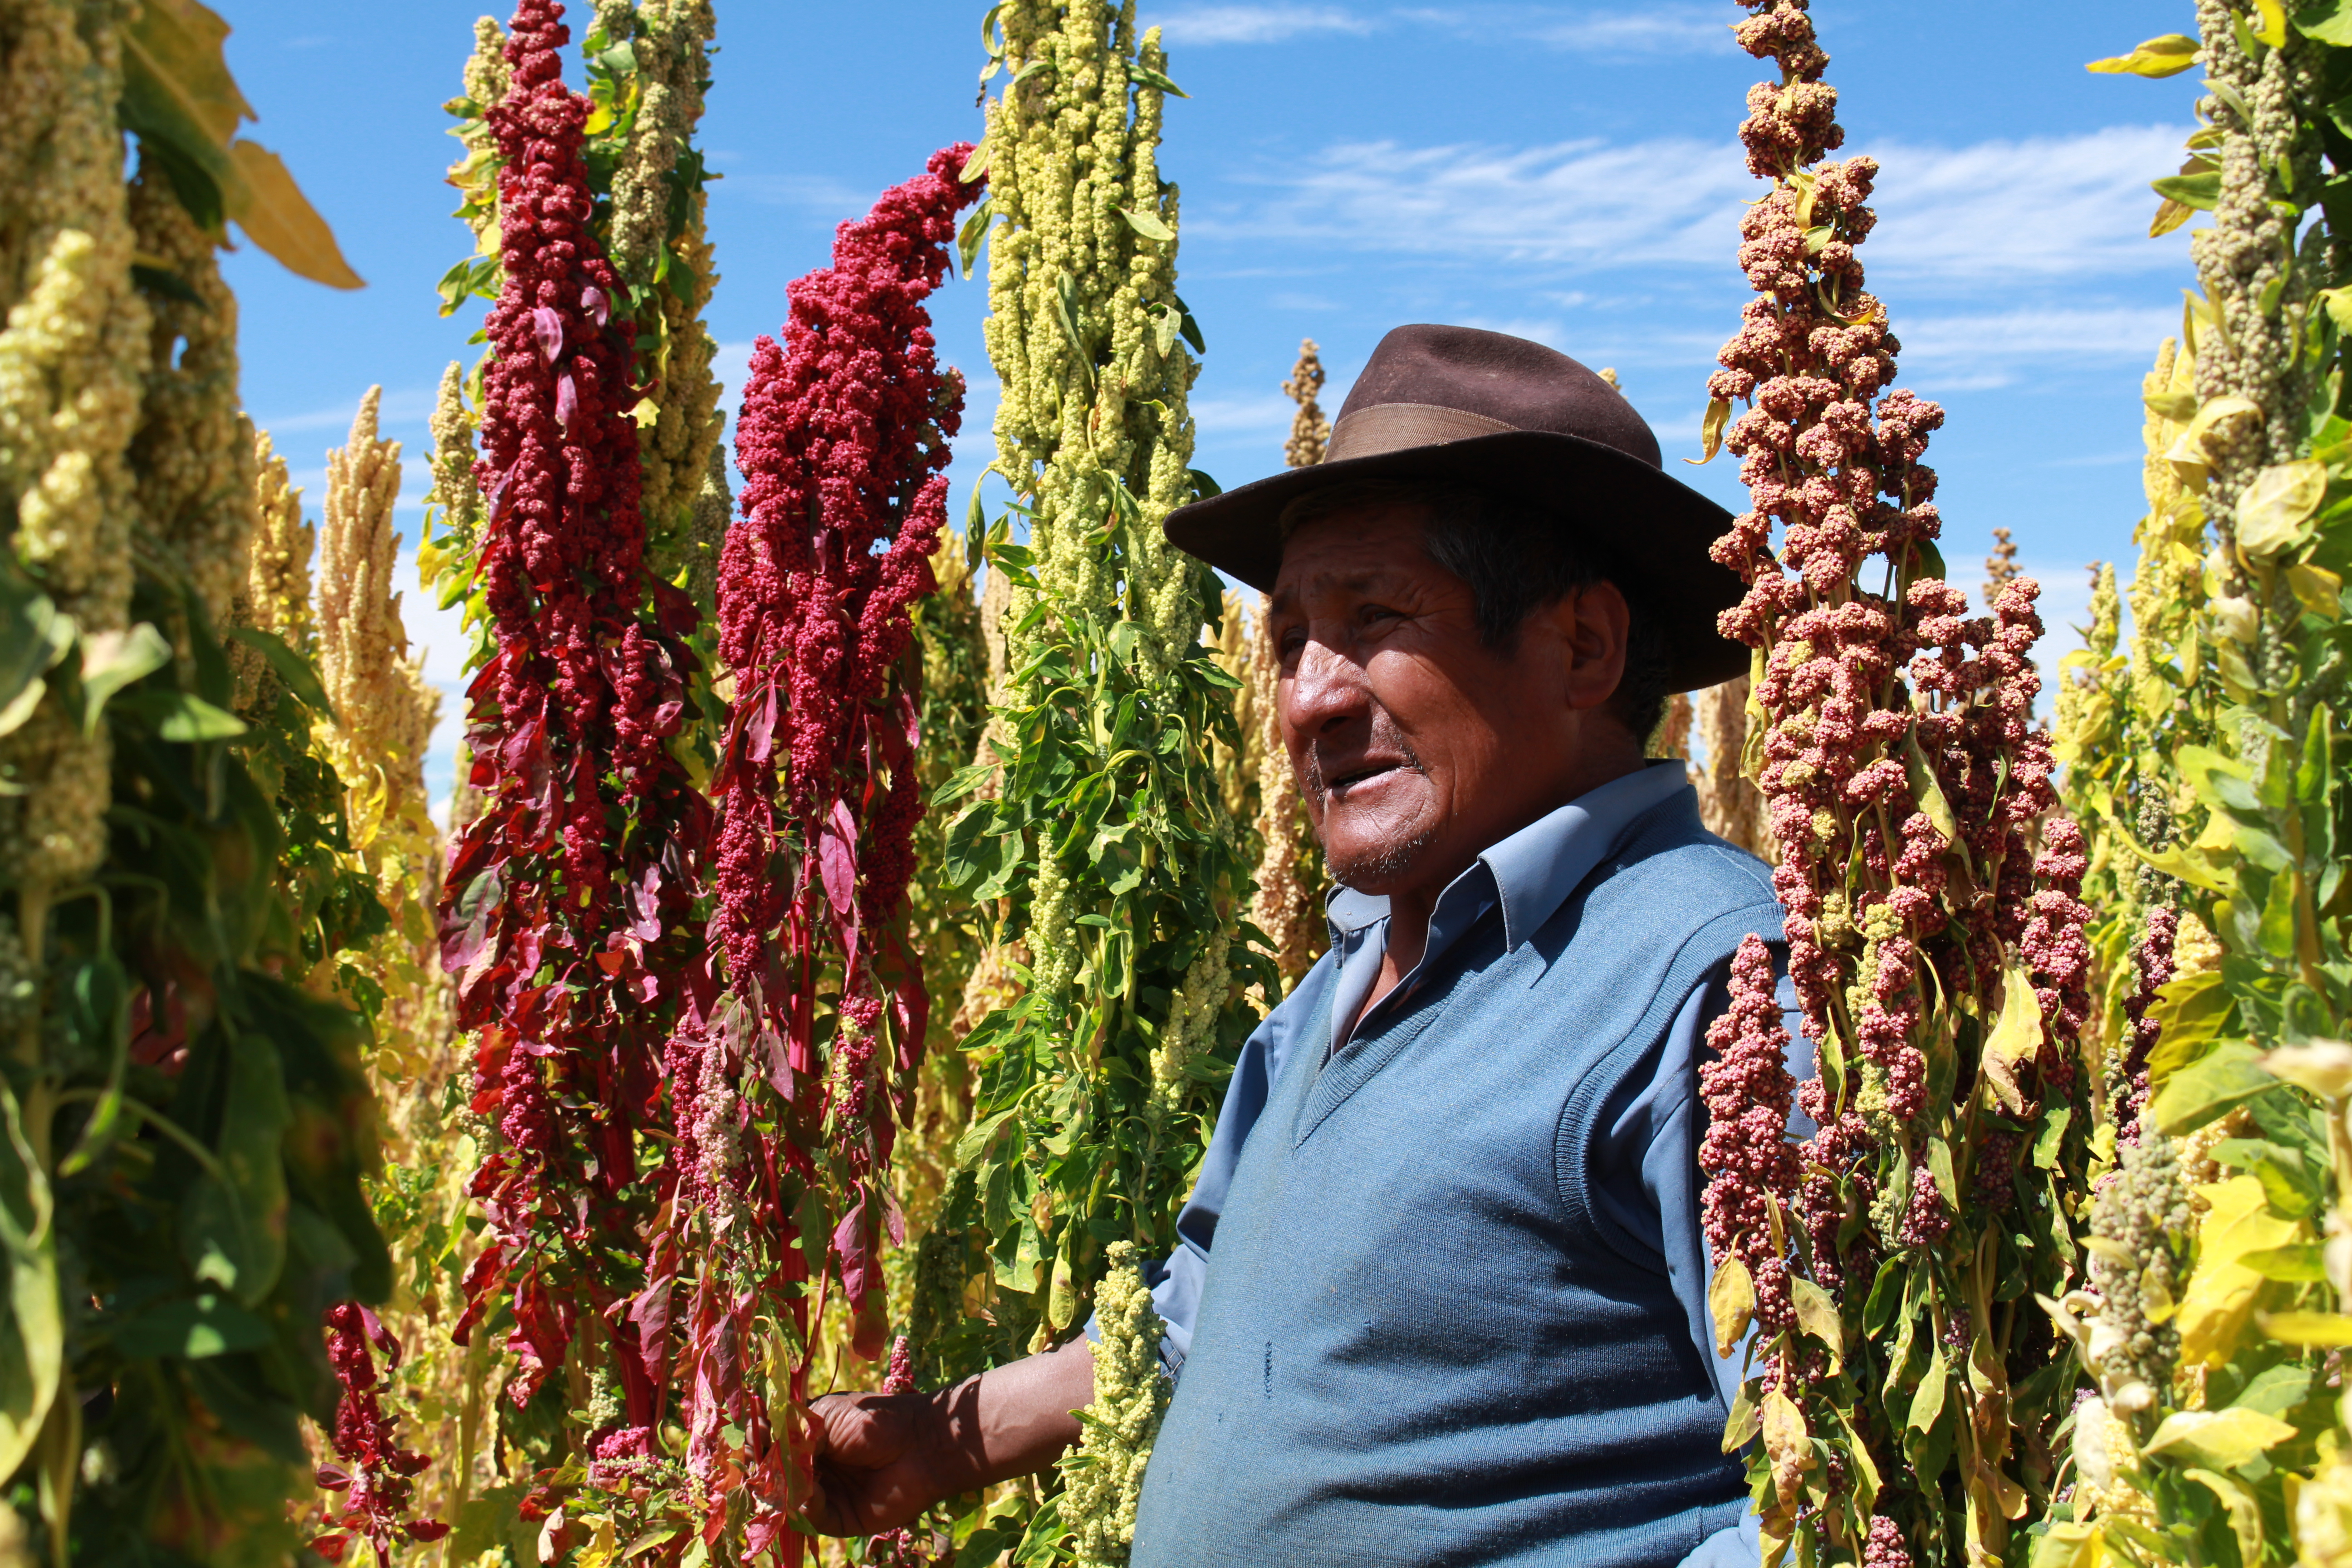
1441 1296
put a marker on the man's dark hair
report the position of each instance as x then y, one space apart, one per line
1517 559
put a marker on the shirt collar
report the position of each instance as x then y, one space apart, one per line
1535 868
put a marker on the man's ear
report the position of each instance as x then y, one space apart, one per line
1592 625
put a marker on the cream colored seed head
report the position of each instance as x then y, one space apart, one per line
1131 1397
384 720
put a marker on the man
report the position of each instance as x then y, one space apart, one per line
1441 1291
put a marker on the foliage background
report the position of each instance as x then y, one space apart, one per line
815 108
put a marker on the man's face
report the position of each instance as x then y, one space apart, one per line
1417 745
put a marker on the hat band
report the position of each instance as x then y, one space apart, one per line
1395 427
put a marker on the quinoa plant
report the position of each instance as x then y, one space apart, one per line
1905 1387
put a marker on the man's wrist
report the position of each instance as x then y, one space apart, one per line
956 1440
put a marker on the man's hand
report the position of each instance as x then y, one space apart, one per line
882 1459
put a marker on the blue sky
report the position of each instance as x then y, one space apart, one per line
1566 172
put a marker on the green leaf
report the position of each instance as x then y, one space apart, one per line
1149 77
2207 1089
188 718
193 1328
1747 1418
2189 1013
1928 1399
112 661
290 667
2160 57
1148 224
2053 1136
2325 21
233 1227
32 1334
2198 193
1191 328
969 239
33 637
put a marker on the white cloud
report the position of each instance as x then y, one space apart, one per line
1658 32
1204 25
1652 30
1267 415
2047 206
1960 351
409 407
1988 213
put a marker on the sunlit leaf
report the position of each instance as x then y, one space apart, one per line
2160 57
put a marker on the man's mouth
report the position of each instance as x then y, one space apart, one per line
1344 782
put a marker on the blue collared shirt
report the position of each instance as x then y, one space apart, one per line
1645 1166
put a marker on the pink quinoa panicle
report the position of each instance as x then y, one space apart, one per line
374 1482
1903 774
843 445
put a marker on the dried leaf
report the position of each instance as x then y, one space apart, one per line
1790 1446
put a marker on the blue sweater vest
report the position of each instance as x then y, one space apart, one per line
1418 1343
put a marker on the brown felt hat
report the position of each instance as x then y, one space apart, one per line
1514 416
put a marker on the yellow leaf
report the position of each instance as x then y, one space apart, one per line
2273 31
2016 1036
2070 1545
2322 1067
2221 1294
275 215
2222 1438
2167 56
1710 431
1818 1316
180 41
2272 512
2325 1329
2316 589
647 413
1731 1302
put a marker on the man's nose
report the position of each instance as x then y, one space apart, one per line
1327 690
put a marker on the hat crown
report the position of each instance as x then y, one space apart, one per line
1517 384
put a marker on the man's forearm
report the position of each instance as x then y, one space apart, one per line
1016 1420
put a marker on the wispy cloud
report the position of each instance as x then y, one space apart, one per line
1243 416
1652 30
401 410
1203 25
1988 213
1956 352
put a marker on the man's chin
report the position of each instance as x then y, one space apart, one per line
1377 864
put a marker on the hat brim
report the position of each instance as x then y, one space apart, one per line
1650 531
